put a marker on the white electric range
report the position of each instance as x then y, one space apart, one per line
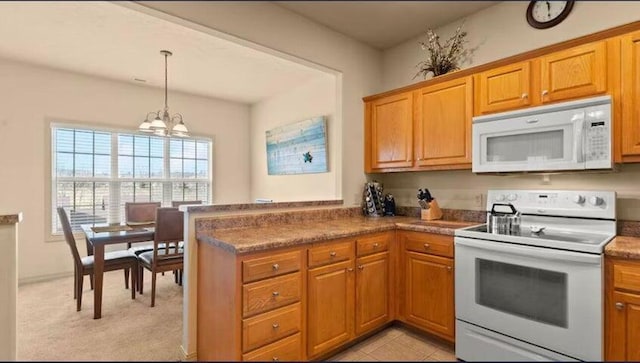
536 293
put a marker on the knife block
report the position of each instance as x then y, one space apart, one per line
432 213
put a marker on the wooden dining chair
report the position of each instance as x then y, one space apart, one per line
117 260
177 203
167 255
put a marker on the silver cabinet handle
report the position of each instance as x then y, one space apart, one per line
375 245
275 325
275 294
275 359
524 96
361 267
426 246
332 253
619 305
350 269
449 268
545 92
275 267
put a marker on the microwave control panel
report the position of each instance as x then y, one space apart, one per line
597 140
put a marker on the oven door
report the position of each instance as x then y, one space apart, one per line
543 142
546 297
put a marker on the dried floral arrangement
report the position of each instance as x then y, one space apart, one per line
442 58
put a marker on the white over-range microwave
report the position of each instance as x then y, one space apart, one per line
572 135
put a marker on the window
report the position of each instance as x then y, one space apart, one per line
95 172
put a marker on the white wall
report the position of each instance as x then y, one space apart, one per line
33 96
502 30
275 27
498 32
314 98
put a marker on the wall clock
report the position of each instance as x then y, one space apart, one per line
546 14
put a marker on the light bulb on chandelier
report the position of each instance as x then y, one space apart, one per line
163 122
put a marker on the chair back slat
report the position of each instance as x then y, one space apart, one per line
140 212
169 232
68 235
177 203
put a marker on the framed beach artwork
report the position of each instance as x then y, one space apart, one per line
298 148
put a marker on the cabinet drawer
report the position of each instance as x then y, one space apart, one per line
330 253
271 326
285 350
626 276
269 294
270 266
434 244
373 243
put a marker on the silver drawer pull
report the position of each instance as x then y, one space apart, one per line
332 253
448 268
275 359
619 305
275 267
275 294
426 246
375 245
361 267
275 325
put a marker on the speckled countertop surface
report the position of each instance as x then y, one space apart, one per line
253 239
10 218
624 247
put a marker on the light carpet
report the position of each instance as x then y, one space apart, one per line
49 328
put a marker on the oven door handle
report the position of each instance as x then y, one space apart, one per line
529 252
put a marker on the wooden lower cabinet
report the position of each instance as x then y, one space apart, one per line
372 292
622 310
429 293
330 307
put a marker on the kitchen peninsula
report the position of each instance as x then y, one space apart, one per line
289 283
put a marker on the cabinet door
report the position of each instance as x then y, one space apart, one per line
443 123
372 292
631 94
504 88
429 293
574 73
330 306
390 133
623 334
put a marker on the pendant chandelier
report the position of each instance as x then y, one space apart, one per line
163 124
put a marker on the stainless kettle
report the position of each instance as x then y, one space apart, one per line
503 222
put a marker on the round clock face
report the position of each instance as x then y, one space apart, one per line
545 14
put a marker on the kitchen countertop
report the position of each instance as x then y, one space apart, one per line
624 247
252 239
6 219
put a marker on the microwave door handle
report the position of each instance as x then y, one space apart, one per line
578 140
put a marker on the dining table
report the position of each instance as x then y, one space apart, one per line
97 237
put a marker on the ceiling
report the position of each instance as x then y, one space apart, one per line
112 41
383 24
107 40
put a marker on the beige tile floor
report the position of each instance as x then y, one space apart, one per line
397 344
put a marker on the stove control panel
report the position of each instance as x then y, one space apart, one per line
569 203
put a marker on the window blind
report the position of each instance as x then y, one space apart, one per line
95 172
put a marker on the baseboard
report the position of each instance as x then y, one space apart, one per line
190 357
28 280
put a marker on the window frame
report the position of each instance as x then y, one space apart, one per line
167 182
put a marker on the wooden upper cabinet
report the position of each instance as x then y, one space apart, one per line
389 134
573 73
443 115
504 88
630 92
